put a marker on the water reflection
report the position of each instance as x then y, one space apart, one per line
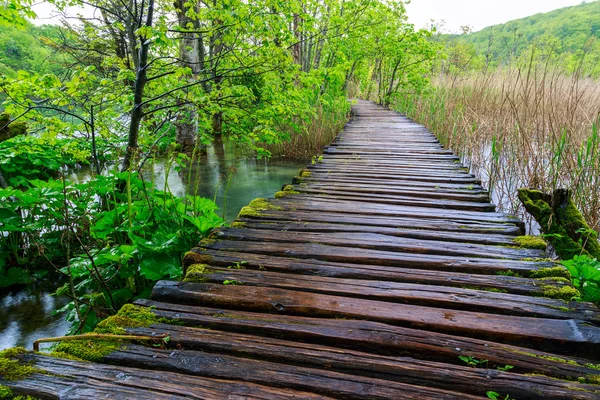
27 314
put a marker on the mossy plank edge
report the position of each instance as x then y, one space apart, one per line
95 350
531 242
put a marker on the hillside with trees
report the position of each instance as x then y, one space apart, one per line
570 31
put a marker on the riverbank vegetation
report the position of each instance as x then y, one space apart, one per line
118 88
520 103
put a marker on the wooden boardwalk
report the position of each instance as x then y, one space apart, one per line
368 278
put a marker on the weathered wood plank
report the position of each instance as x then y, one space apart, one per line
409 293
563 336
380 242
319 381
438 224
373 199
510 284
375 337
398 369
421 234
70 380
378 257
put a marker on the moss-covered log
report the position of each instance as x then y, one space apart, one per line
10 130
562 222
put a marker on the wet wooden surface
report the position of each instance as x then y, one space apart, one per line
383 265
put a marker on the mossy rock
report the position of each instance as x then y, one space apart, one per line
531 242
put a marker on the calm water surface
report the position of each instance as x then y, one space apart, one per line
27 313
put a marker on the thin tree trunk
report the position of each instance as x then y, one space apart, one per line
137 113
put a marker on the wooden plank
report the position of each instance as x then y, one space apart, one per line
375 337
380 242
421 234
410 293
510 284
398 369
426 192
378 257
422 201
354 207
563 336
69 380
438 224
319 381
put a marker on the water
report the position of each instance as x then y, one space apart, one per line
26 314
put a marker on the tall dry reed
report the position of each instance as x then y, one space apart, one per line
530 126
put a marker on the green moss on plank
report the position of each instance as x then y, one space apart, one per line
558 279
304 173
7 394
285 193
566 293
197 273
255 206
531 242
558 271
238 224
509 272
262 204
248 211
192 257
12 368
95 349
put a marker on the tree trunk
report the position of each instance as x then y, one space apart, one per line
189 54
137 113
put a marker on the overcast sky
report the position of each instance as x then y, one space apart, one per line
478 13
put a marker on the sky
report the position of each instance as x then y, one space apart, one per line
475 13
478 13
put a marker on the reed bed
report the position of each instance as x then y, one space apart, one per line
530 126
315 133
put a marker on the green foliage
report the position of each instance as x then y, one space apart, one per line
570 32
586 276
117 91
117 244
497 396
